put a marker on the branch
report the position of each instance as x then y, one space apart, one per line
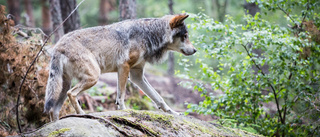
288 15
285 108
314 130
24 77
305 15
258 67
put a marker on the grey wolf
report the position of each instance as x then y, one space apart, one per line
124 47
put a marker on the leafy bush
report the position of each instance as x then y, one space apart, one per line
261 64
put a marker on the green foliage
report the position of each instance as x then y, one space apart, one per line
99 108
261 64
100 91
58 132
138 103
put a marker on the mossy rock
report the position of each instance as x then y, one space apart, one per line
134 123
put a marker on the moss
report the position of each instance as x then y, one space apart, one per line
175 128
146 115
245 133
136 125
241 131
57 132
201 128
167 121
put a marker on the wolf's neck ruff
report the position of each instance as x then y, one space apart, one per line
154 35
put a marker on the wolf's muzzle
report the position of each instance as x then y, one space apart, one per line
188 52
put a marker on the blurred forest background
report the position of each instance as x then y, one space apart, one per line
257 66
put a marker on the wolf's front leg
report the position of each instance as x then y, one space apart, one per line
137 77
123 73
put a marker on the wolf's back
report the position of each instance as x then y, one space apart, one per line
54 84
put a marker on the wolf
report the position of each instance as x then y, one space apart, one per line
124 47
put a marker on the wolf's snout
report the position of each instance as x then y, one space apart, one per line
188 52
194 51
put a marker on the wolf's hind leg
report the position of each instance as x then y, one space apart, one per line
88 75
123 73
62 97
78 88
137 77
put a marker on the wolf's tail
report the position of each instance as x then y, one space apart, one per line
54 84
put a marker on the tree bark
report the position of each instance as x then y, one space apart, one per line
14 9
73 23
251 8
127 9
170 4
221 10
28 6
55 10
103 11
46 17
105 7
171 55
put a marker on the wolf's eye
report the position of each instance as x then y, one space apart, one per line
185 36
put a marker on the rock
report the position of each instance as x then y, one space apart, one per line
134 123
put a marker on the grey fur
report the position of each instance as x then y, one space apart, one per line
54 80
150 31
122 47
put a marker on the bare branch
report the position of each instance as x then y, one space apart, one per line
285 12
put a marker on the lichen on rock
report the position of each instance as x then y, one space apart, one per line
134 123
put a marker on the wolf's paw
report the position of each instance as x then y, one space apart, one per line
117 101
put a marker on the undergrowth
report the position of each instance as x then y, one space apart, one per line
16 54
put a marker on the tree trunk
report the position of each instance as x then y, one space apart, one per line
55 10
73 23
127 9
221 10
103 11
28 6
46 17
170 4
251 8
171 55
14 9
105 7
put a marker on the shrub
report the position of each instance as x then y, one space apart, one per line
261 64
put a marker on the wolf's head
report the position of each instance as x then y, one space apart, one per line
179 35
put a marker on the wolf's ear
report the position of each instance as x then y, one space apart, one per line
177 20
